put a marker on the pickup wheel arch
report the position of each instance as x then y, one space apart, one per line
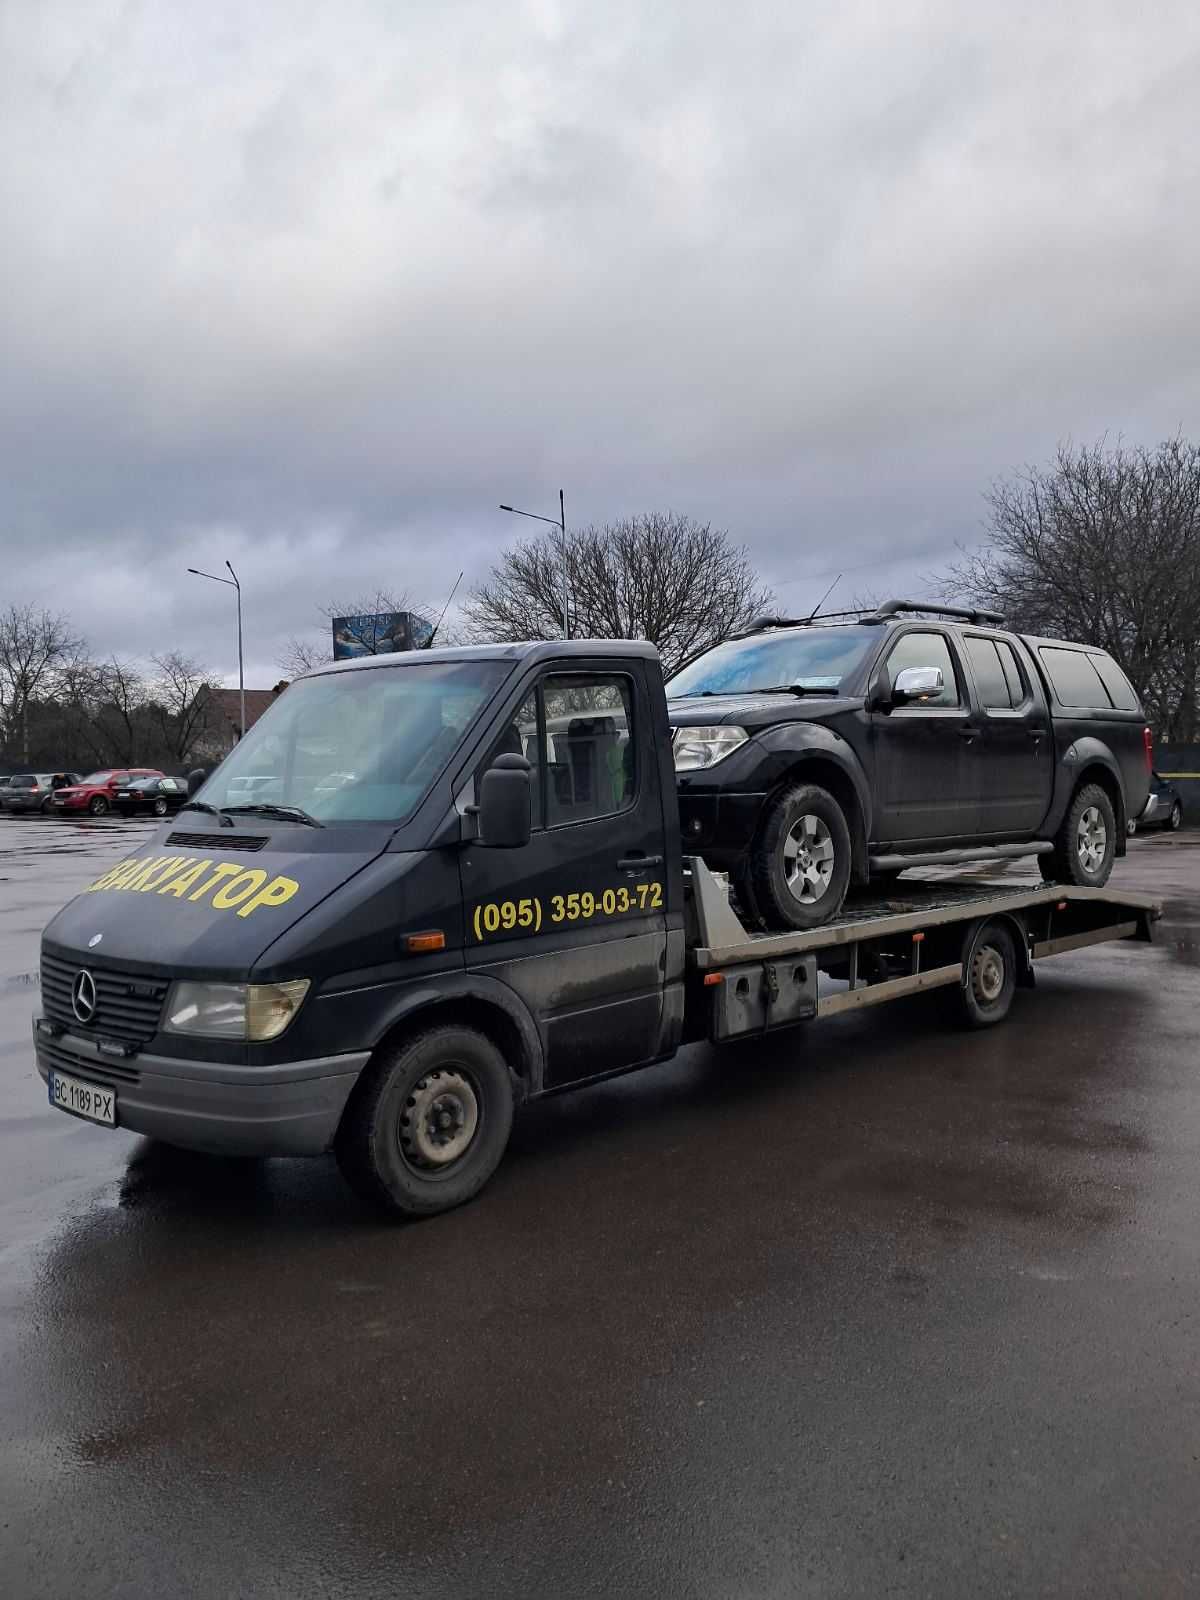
1097 765
846 787
472 1001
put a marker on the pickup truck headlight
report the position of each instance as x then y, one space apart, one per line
704 747
254 1011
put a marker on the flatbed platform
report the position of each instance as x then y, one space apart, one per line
924 934
912 906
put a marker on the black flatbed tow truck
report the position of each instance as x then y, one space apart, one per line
461 885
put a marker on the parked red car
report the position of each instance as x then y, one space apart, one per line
94 794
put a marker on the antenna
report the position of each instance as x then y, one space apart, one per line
825 597
428 645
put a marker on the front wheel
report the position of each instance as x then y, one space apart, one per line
1175 820
98 806
799 868
159 807
1086 843
427 1123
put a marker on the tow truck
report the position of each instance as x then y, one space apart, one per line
493 903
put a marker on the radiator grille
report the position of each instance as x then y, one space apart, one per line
127 1006
108 1074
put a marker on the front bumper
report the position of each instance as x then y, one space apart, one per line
1153 811
287 1110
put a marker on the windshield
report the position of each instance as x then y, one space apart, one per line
807 658
361 746
97 779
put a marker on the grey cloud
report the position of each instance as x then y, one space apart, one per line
316 291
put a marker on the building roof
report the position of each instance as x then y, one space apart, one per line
228 703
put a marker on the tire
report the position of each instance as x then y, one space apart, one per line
159 807
989 978
1175 821
1086 843
392 1143
799 868
98 806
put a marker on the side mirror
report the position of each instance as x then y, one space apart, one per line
506 803
916 683
194 779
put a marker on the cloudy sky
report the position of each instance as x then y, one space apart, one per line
314 288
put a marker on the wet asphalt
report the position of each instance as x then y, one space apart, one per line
875 1308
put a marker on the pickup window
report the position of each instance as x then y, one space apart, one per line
1118 685
926 650
998 675
1075 678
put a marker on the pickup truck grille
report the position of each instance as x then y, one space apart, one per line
128 1007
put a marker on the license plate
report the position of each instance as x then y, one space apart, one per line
83 1099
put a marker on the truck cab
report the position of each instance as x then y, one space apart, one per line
499 852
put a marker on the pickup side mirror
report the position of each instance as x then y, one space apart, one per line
916 683
506 803
194 779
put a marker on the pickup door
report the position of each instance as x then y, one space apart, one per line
575 921
926 757
1013 750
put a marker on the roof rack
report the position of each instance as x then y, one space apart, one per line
880 613
761 624
891 608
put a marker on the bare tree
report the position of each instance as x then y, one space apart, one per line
301 654
1103 545
681 584
180 705
33 644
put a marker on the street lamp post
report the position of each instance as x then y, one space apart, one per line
559 522
232 581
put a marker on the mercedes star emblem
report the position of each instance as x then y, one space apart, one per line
83 996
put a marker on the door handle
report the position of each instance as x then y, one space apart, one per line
968 735
1036 734
638 862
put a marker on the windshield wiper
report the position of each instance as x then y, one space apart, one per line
203 805
265 809
795 688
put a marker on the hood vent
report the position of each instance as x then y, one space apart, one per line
226 838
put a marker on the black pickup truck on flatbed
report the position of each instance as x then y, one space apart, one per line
461 885
824 752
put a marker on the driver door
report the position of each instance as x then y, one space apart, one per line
926 754
575 921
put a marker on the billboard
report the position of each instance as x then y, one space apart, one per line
378 635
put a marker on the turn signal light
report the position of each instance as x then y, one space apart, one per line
420 943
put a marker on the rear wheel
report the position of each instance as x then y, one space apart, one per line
1086 842
989 977
1175 820
427 1123
799 868
159 807
98 806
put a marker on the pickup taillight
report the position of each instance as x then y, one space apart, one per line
1148 740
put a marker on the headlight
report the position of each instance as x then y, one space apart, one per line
254 1011
704 747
